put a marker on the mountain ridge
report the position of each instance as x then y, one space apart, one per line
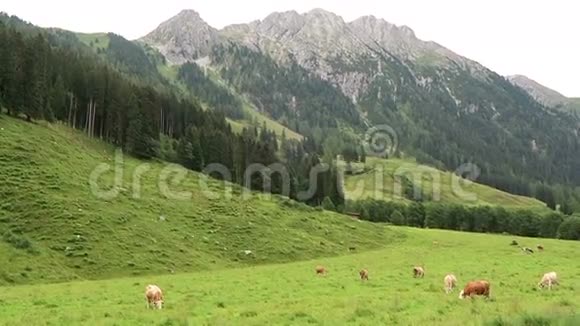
545 95
312 39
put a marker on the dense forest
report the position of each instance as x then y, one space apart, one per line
206 90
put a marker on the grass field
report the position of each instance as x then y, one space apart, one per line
95 40
53 228
226 261
291 294
364 185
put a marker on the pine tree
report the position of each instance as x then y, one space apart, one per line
138 142
185 153
328 205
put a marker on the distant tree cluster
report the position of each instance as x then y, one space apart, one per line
470 219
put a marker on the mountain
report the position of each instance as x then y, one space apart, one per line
314 71
545 95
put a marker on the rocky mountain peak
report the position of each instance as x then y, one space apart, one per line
188 14
184 37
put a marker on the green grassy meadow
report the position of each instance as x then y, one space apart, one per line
291 294
364 185
69 257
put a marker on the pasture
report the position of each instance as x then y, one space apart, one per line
379 178
292 294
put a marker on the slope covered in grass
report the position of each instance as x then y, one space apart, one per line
95 40
53 228
286 294
370 183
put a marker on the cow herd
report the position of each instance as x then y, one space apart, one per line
154 295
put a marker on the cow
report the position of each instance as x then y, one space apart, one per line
320 270
364 274
449 282
418 271
527 250
548 280
435 243
540 247
514 243
475 288
154 297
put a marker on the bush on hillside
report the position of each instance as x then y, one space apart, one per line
16 240
570 228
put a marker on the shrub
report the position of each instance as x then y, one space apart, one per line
16 240
570 229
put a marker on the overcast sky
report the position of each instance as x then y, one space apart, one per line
537 38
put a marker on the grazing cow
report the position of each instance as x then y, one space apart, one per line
540 247
418 272
154 297
435 243
475 288
320 270
527 250
548 280
449 282
364 274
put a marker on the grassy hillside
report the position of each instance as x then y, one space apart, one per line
292 294
95 40
52 227
364 185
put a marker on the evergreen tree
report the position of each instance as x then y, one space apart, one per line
566 208
328 205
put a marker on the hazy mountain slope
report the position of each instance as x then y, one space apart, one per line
541 93
545 95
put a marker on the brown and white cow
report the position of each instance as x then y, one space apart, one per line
475 288
449 282
548 280
321 270
154 297
418 271
364 274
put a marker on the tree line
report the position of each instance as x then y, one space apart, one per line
484 219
